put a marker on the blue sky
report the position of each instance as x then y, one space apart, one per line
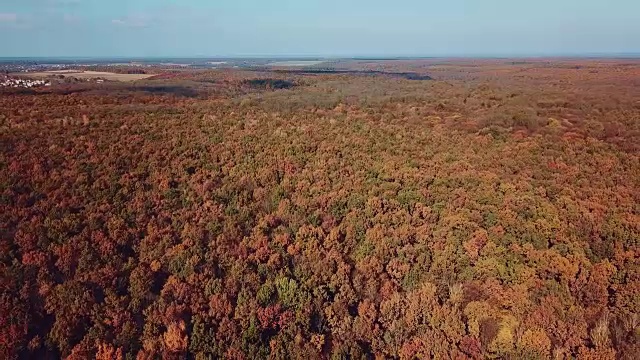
134 28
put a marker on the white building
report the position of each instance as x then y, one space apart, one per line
23 83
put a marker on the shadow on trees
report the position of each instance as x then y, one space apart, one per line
405 75
167 89
269 84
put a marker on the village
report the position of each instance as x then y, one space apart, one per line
23 83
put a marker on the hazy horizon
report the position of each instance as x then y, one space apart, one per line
330 28
631 55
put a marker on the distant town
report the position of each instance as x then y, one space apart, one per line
23 83
36 65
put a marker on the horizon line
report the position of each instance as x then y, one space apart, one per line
340 57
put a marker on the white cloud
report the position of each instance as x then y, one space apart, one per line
8 18
70 19
132 21
53 2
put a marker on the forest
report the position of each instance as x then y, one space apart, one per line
476 209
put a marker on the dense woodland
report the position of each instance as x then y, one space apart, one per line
492 212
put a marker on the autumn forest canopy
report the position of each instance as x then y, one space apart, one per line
410 209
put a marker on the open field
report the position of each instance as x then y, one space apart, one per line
408 209
295 63
86 75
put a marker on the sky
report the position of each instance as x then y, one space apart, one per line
324 28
